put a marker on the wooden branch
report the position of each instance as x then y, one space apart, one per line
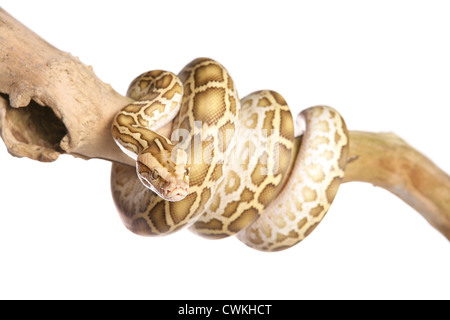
387 161
79 109
51 103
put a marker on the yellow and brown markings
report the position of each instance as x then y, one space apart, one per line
206 74
209 105
244 193
146 83
176 89
208 97
232 179
244 219
128 140
154 91
311 188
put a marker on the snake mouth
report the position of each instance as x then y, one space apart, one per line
177 194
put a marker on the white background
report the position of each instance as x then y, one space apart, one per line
383 64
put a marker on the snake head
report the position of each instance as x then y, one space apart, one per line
168 178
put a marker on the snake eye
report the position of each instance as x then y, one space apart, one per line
186 172
154 175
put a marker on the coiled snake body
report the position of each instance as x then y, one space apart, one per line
224 166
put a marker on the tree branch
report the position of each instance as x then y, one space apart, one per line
51 103
79 106
387 161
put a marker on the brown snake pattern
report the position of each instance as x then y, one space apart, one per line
247 173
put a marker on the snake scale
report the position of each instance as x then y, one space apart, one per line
221 165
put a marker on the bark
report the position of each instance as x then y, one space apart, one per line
51 103
387 161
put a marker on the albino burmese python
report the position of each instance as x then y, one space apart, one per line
221 165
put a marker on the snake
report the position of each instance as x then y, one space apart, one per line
220 165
